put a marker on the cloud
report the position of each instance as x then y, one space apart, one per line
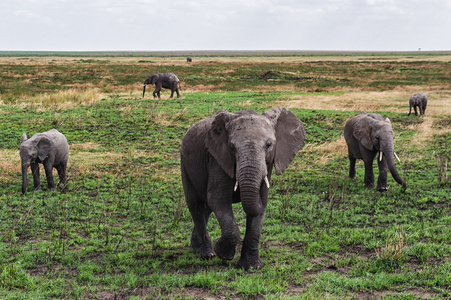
228 25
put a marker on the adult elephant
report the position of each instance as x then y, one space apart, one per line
367 135
418 100
49 148
228 158
163 80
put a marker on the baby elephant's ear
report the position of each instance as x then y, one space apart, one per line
44 146
362 132
24 137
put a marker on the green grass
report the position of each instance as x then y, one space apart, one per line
121 227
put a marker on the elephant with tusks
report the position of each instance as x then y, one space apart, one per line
228 158
367 136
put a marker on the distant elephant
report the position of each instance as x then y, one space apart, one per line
165 80
367 135
189 59
419 100
228 158
49 148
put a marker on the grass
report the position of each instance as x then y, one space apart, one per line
121 227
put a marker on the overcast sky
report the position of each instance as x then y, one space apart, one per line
91 25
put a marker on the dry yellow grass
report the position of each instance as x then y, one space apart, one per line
396 100
327 151
61 100
221 58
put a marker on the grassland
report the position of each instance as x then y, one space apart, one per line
120 230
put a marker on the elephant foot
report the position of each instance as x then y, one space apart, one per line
38 189
205 248
250 263
382 188
225 249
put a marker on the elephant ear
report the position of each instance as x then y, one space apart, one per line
44 146
217 142
362 132
154 79
24 137
290 135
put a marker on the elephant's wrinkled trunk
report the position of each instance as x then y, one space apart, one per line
144 90
250 182
389 156
24 177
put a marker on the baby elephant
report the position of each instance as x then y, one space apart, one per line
369 136
49 148
163 80
419 100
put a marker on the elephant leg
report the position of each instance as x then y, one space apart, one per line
250 257
225 246
36 177
415 108
157 90
62 174
382 179
200 212
369 175
178 93
172 93
200 240
49 175
220 197
352 161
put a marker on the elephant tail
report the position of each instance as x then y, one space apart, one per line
180 86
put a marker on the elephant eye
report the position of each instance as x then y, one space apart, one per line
232 148
378 137
268 144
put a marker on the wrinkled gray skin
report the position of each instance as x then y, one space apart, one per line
49 148
420 101
163 80
238 147
366 135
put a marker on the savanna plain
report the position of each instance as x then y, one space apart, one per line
121 228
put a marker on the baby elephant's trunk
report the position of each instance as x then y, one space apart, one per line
144 90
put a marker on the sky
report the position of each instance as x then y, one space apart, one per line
155 25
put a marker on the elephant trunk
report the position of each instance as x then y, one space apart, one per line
251 182
144 90
24 177
389 156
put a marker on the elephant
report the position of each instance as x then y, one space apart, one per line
189 59
368 135
49 148
165 80
419 100
228 158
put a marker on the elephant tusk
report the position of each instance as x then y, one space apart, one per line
267 181
397 157
380 155
236 186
